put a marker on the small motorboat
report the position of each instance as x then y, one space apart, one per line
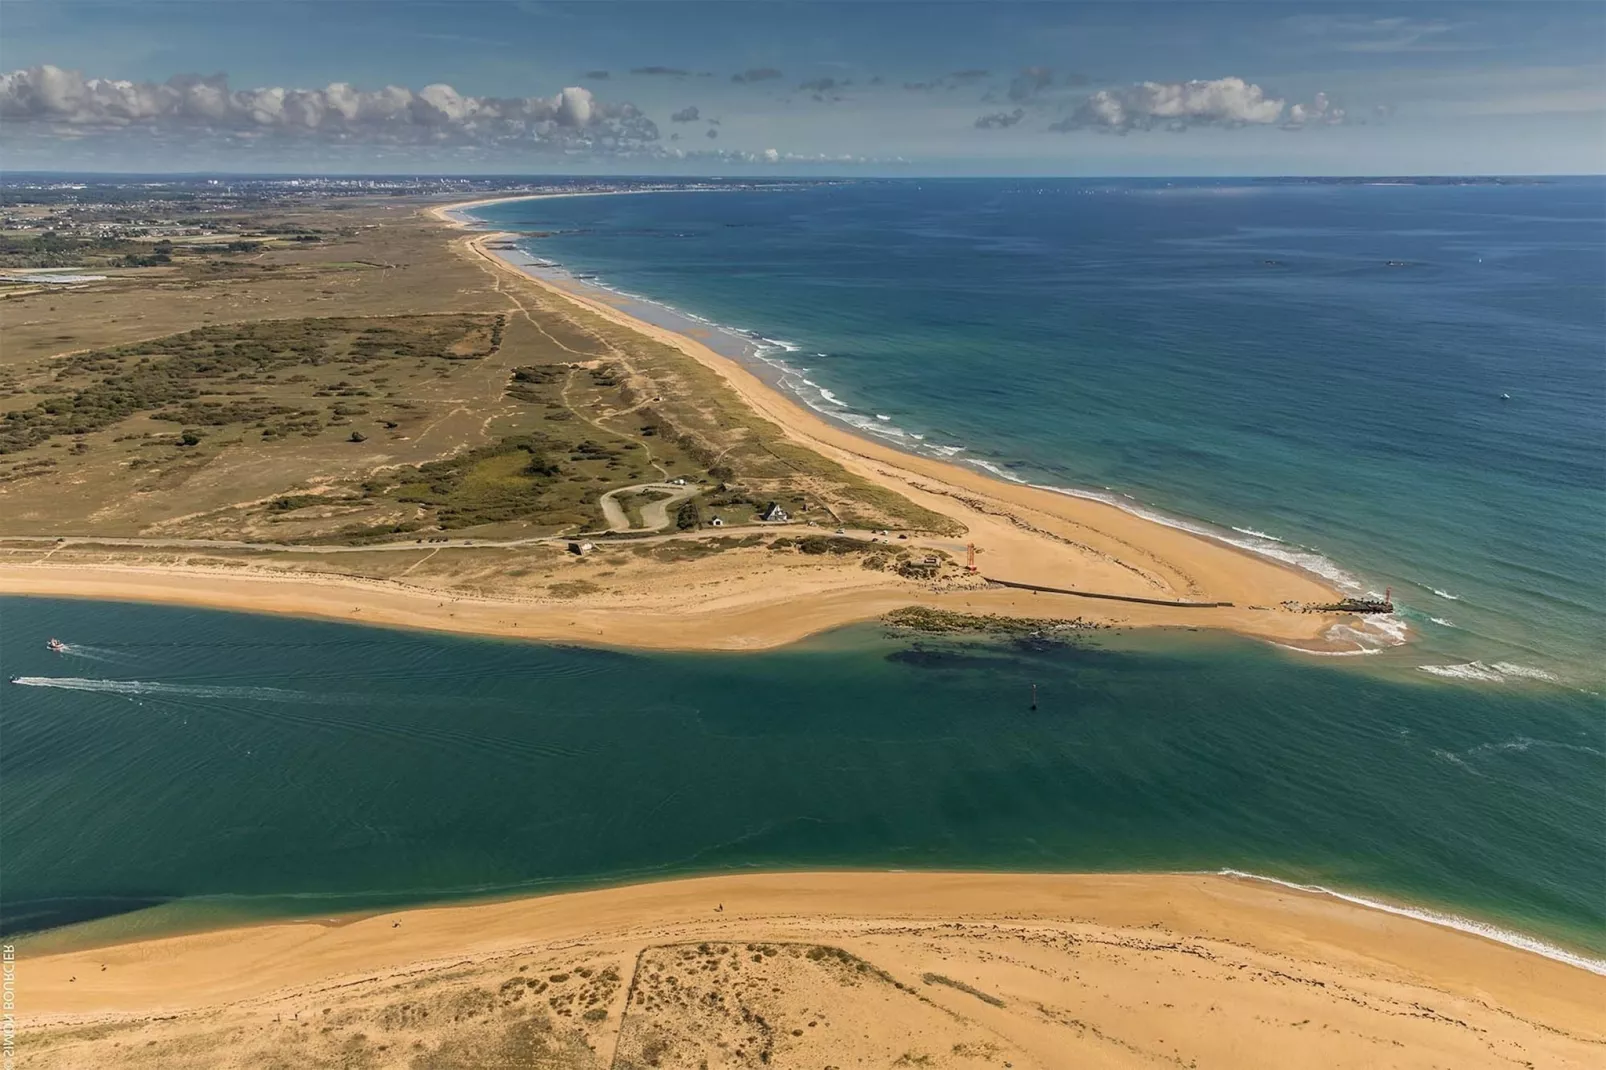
56 646
1505 397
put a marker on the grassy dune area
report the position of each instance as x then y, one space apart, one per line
344 377
346 407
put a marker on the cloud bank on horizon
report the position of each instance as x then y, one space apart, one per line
1176 106
67 103
54 101
969 88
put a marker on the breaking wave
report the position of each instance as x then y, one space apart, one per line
1376 632
1449 921
1498 672
1331 653
1257 534
794 379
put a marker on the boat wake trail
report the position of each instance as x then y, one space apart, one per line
141 687
92 653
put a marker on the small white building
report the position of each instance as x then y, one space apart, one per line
774 514
715 522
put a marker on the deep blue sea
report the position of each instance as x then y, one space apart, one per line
1316 371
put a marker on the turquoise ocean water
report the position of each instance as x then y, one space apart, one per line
213 767
182 767
1313 371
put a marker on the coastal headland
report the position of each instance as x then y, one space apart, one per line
796 969
360 412
452 486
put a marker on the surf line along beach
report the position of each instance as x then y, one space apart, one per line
1201 968
1026 535
1022 534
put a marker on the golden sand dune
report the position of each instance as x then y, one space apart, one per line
821 970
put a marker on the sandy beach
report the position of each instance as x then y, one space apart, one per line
1022 533
963 969
747 600
754 609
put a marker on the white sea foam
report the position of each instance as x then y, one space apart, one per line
1391 628
1518 940
1257 534
1525 743
1455 759
1472 670
997 470
1332 653
880 416
1523 672
1376 632
792 378
1445 594
1309 560
1442 622
1495 673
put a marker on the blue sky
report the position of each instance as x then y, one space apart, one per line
1200 88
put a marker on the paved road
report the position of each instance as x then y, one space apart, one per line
654 514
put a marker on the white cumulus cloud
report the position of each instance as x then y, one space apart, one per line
48 99
1179 105
1319 112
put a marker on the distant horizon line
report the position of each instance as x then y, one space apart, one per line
11 175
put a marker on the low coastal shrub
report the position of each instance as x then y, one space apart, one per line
832 544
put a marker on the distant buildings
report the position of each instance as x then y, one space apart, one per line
774 514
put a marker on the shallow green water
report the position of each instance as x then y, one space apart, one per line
241 766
